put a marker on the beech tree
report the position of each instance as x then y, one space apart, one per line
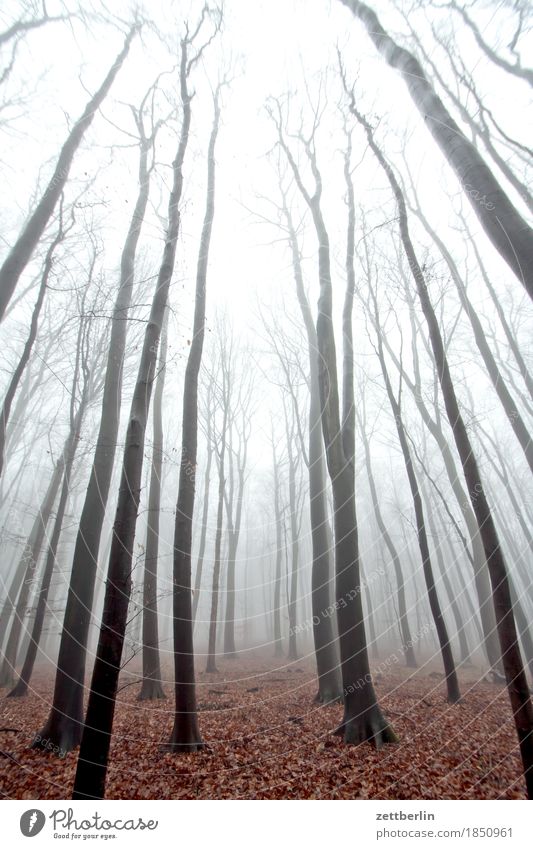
512 661
86 384
152 687
363 719
26 353
503 224
64 724
444 642
24 247
94 751
185 734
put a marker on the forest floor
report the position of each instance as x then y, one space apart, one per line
265 739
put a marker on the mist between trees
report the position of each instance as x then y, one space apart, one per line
265 290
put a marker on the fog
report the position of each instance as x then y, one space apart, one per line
266 320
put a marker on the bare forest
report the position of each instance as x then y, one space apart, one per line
266 515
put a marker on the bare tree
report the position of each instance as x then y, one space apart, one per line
503 224
224 401
452 683
22 251
86 384
205 507
405 631
64 724
239 429
32 335
326 650
515 69
508 403
94 751
152 687
512 661
185 734
363 719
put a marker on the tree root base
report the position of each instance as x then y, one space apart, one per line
18 692
328 697
371 728
58 741
182 747
150 691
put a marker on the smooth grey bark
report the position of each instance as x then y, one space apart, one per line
503 475
234 530
509 335
478 126
498 381
185 734
477 558
405 631
326 649
454 606
517 684
23 577
363 719
32 335
22 410
63 727
452 683
373 643
278 644
22 251
239 429
205 509
221 456
454 558
523 626
69 454
18 630
94 751
507 230
294 523
152 686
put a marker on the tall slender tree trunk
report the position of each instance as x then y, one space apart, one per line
456 613
32 549
185 734
517 685
326 648
278 644
22 251
407 642
63 727
152 687
477 558
32 335
509 335
21 687
363 719
24 576
234 534
503 224
496 378
94 751
212 641
452 684
371 624
464 590
205 513
294 547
